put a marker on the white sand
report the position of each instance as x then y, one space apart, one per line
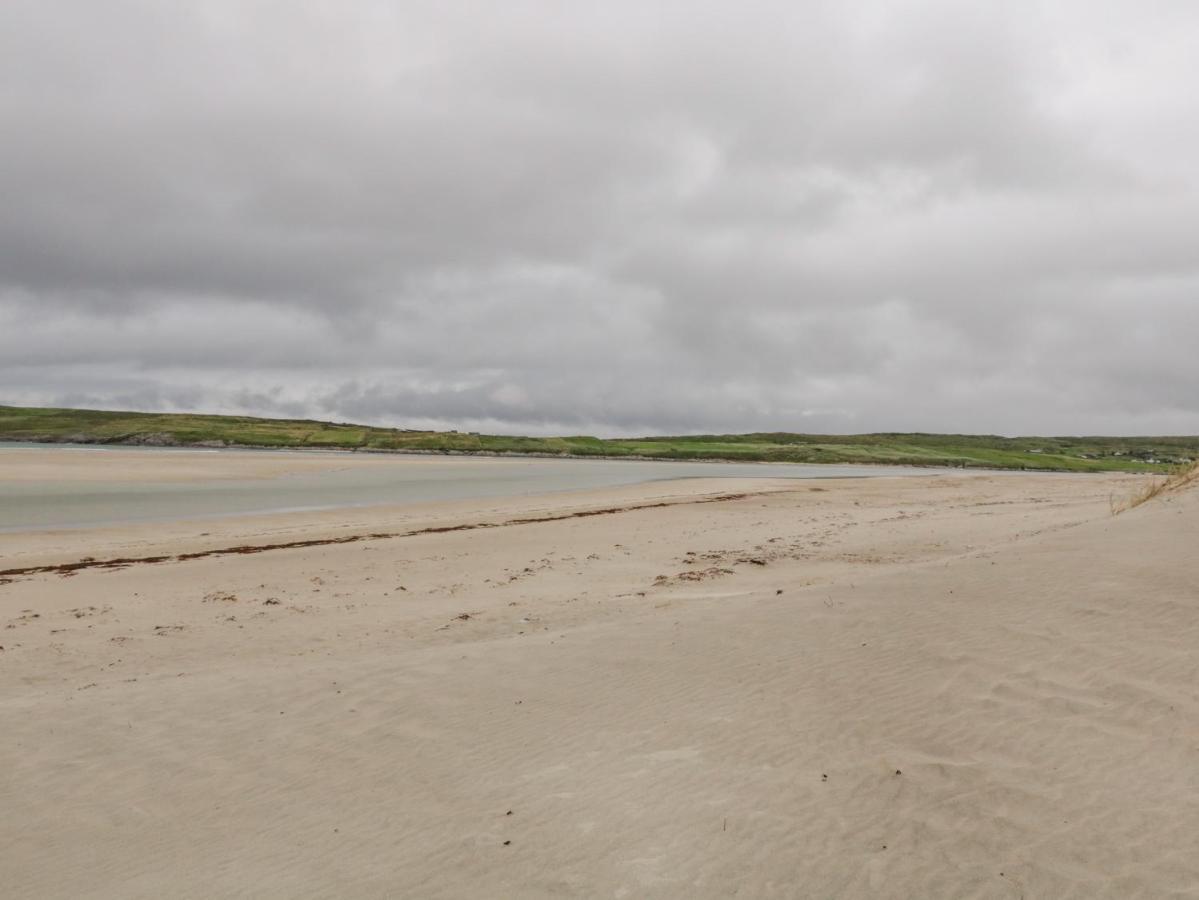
967 687
116 465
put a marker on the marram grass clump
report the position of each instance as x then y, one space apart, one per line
1180 478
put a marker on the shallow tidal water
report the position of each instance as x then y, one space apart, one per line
82 504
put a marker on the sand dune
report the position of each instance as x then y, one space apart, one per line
958 687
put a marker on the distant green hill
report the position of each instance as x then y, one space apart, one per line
1079 454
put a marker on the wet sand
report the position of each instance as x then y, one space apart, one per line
951 686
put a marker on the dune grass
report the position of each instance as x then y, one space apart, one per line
1180 478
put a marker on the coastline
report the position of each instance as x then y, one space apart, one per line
515 454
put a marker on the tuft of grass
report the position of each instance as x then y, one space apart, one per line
1178 479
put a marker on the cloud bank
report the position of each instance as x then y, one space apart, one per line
551 218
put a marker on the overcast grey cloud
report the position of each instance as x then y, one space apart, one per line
606 218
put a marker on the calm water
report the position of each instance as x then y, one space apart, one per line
83 504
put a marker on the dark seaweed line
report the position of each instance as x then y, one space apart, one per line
121 562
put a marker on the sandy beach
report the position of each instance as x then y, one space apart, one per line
945 686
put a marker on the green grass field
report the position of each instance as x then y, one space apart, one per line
1077 454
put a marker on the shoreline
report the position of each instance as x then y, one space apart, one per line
244 549
112 486
48 548
504 454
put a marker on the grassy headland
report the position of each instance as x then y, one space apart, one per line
1082 454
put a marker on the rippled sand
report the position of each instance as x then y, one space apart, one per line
909 687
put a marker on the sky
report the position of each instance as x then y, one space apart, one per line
606 218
